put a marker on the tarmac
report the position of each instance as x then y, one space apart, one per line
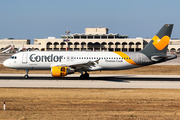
95 81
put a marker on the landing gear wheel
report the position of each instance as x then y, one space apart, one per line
82 76
86 75
26 76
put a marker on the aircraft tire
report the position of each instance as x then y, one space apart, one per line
26 76
86 75
82 76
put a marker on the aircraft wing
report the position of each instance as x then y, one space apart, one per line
80 65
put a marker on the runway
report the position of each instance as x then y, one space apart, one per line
95 81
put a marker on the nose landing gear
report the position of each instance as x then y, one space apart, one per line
26 76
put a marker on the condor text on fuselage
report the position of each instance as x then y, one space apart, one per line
44 58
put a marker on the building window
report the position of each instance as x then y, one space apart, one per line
97 37
76 37
90 37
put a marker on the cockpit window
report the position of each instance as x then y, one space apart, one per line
13 57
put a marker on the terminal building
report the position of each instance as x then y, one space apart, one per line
94 39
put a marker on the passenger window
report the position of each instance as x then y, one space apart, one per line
68 58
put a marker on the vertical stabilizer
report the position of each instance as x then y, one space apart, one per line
159 43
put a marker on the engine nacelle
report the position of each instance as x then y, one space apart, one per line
60 71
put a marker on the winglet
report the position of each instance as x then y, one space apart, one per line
97 61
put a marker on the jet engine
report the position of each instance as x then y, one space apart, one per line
61 71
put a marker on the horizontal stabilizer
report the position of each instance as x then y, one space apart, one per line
165 58
158 58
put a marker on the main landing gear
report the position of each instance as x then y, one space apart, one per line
84 76
26 76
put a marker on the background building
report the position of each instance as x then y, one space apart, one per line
94 39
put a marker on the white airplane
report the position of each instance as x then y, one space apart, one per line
64 63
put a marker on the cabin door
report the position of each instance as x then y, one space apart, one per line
24 58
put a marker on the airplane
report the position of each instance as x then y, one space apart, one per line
68 62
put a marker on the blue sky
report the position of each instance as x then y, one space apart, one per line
29 19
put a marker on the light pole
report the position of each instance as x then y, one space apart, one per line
67 32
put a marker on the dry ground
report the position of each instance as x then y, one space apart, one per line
84 104
147 70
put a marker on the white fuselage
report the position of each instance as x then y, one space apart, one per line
45 60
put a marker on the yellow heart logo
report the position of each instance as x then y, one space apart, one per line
160 44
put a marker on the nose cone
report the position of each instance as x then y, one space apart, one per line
6 63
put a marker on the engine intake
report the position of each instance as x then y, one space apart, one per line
61 71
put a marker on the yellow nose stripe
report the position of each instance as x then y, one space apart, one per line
160 44
126 58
